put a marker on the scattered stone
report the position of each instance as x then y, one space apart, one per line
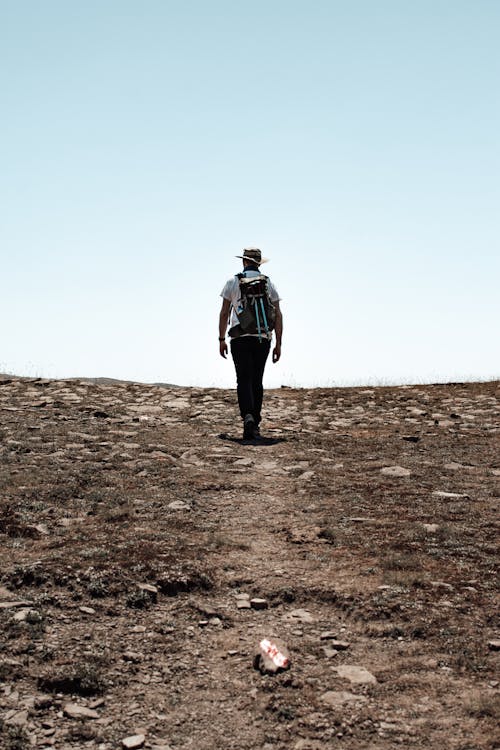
149 588
299 615
17 719
431 527
243 462
356 675
10 605
178 505
451 495
308 744
329 652
333 643
441 585
328 635
494 645
243 604
133 656
338 698
395 471
257 603
87 610
134 741
28 615
362 519
74 711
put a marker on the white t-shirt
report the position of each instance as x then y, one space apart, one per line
231 291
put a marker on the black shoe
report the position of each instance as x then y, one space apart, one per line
256 433
248 427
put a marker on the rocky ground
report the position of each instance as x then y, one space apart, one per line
145 553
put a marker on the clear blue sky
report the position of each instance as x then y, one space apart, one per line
145 143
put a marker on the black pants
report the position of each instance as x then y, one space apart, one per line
249 356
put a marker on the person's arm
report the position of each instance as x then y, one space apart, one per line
278 329
223 319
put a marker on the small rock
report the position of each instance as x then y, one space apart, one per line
328 635
258 603
451 495
431 527
243 604
338 698
134 741
28 615
74 711
43 701
87 610
299 615
133 656
494 645
17 719
306 476
339 645
178 505
356 675
329 652
395 471
243 462
13 604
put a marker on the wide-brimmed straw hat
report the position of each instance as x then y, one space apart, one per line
254 255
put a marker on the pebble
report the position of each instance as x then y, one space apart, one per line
494 645
451 495
178 505
134 741
243 604
74 711
356 675
395 471
299 615
17 718
87 610
338 698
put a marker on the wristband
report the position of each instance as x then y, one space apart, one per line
222 339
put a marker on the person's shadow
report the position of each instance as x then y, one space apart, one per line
260 442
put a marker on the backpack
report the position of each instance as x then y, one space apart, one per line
255 313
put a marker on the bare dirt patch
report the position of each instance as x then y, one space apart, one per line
133 522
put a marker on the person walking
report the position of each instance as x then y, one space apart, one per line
250 332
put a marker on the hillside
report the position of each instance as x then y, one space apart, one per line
145 553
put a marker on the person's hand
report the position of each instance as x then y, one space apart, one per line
276 352
223 349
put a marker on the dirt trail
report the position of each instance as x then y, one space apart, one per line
132 522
